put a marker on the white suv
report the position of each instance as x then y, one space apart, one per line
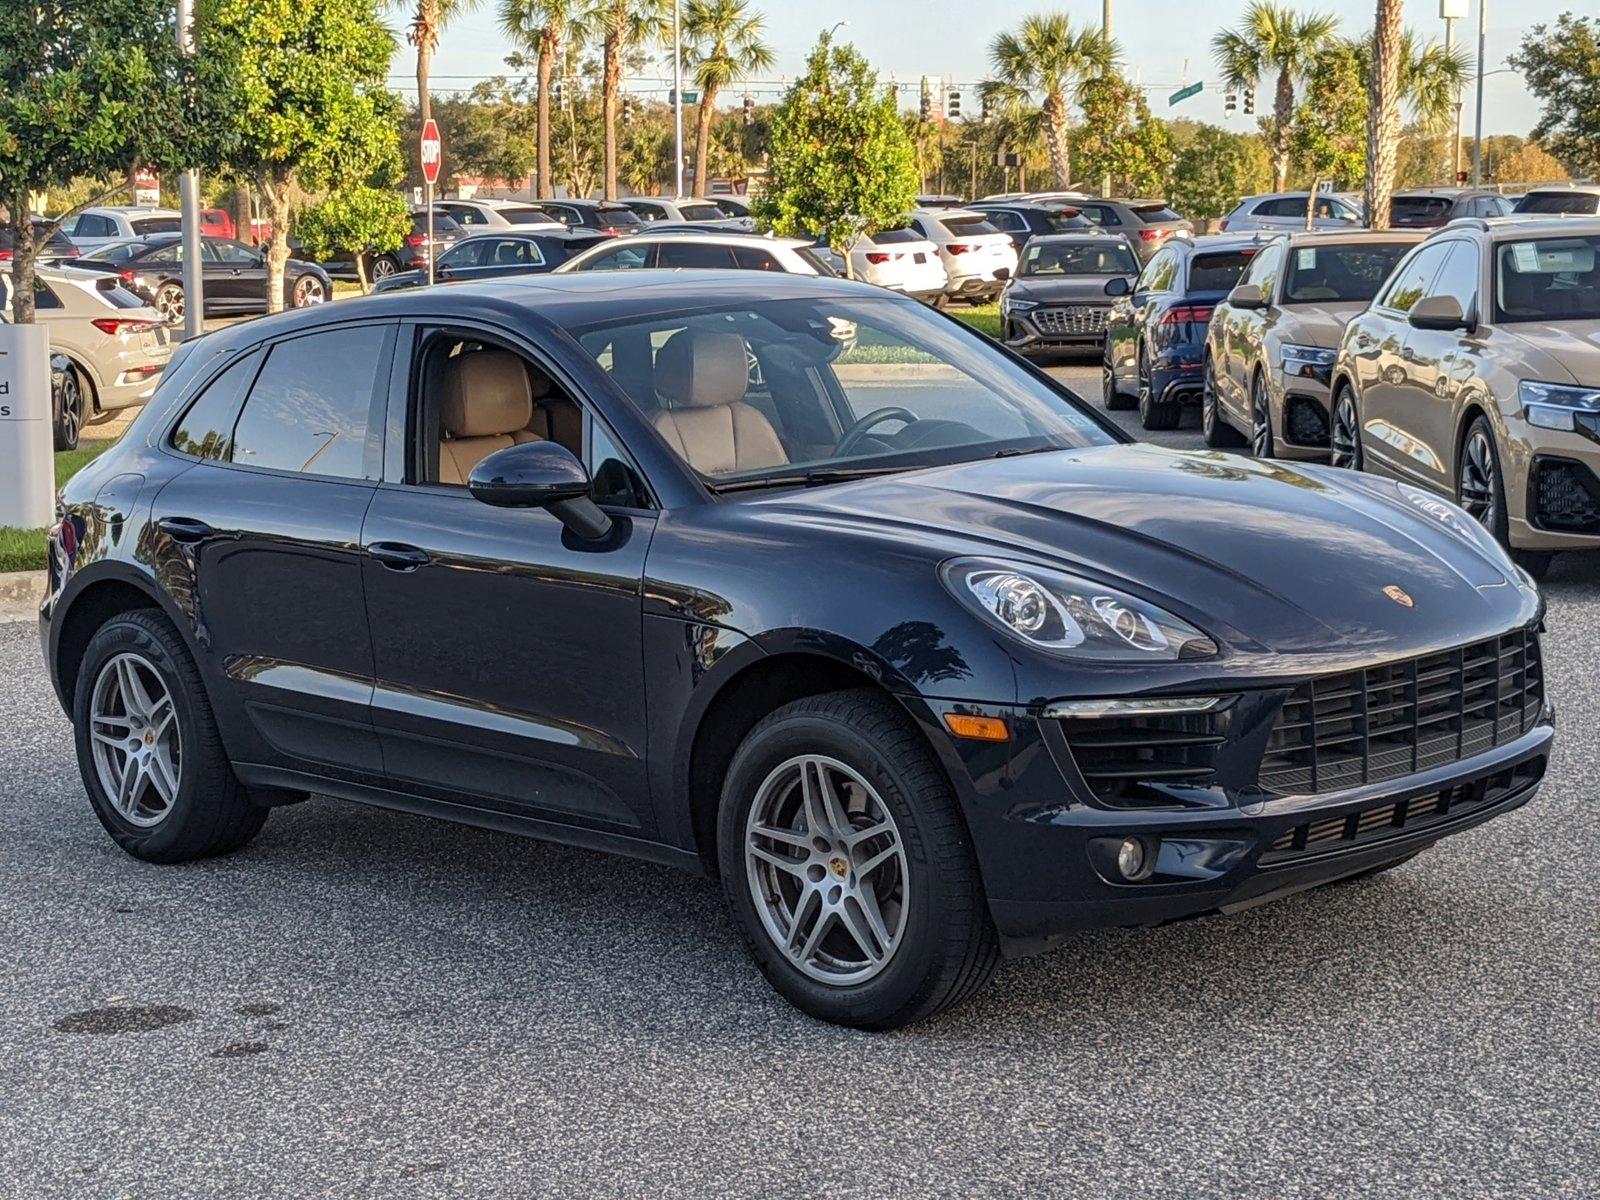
96 227
978 259
496 214
901 260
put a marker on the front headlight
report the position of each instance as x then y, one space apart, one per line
1010 305
1556 405
1064 614
1310 361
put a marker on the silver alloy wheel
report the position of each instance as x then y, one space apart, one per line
382 268
1208 401
71 395
308 290
1479 493
1260 421
169 302
133 731
827 869
1346 434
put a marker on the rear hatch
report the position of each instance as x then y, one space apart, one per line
978 245
1157 223
1420 212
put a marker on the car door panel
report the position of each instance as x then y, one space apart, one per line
1395 402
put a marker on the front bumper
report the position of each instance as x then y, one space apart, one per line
1552 487
1056 325
1046 828
1302 406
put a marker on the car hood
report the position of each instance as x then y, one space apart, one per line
1284 565
1320 324
1080 289
1573 345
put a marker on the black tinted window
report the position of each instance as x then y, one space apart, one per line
1412 211
308 409
614 479
1218 272
687 254
967 226
888 237
206 430
617 218
754 260
146 225
1151 213
1559 202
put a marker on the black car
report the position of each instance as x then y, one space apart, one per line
609 217
1062 293
1155 338
412 254
493 253
916 652
57 246
1022 222
234 275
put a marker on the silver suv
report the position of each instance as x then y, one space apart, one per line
1286 211
1476 375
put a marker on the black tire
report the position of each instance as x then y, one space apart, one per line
69 400
211 813
948 946
1344 431
1214 428
1481 490
1262 443
1153 414
1116 399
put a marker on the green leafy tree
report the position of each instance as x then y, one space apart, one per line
1047 58
356 219
88 88
1277 41
546 29
1562 69
841 161
723 43
1330 126
1216 169
306 108
1119 139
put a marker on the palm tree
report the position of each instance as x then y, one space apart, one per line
722 44
1272 38
1383 113
428 20
546 28
1048 57
620 25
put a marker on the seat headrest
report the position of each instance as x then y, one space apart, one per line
486 394
702 368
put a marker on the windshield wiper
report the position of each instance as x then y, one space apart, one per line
815 477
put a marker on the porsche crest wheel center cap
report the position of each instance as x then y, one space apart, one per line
839 867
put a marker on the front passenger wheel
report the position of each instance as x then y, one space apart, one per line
148 747
1480 489
1261 442
1216 431
1345 436
847 865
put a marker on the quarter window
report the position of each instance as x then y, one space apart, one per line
1413 277
206 430
308 411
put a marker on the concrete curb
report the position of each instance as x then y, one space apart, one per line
21 593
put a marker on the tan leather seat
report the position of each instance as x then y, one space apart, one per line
555 418
700 378
486 401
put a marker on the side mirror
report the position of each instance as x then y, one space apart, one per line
1437 312
1246 295
540 475
1120 286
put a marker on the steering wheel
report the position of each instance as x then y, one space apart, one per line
877 416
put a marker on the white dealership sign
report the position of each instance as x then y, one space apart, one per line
27 464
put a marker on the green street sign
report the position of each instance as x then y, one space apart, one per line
1194 89
689 97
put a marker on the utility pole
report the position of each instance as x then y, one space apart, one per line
189 187
1105 32
1452 11
677 98
1477 132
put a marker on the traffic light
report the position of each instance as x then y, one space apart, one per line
1249 100
926 111
986 105
1230 102
629 105
748 108
929 108
952 104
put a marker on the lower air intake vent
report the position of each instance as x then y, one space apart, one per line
1126 760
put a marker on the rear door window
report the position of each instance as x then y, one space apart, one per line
311 406
692 255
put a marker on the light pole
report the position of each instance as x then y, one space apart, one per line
1477 131
189 187
677 97
1105 32
1451 11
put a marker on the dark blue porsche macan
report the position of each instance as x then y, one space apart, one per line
786 579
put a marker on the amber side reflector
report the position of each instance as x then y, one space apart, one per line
979 729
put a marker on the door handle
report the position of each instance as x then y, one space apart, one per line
185 529
397 556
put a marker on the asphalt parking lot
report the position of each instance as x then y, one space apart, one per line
363 1003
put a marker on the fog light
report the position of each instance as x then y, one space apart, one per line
1134 861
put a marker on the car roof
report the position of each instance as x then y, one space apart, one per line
715 237
1222 242
1523 224
540 230
132 210
585 203
1342 237
1080 235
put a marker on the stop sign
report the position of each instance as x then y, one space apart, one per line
431 153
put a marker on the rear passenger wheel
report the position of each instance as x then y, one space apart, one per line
148 747
308 290
383 267
1345 437
1153 413
1261 443
70 404
169 303
847 865
1218 434
1116 399
1480 489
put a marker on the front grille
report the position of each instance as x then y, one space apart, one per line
1125 760
1385 821
1566 496
1079 319
1305 421
1384 722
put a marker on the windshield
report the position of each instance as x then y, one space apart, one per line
1414 211
1547 279
816 389
1559 202
1106 257
1330 274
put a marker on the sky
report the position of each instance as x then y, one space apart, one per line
1164 43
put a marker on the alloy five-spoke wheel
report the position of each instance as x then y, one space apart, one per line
138 752
1478 481
308 290
70 408
1345 436
827 869
169 303
1260 419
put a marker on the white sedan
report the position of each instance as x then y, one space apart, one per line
901 260
701 250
